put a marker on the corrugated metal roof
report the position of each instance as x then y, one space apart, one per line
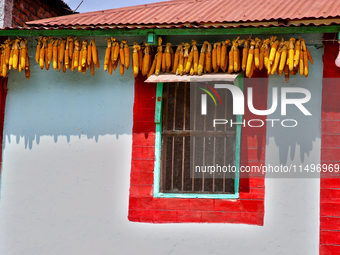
201 12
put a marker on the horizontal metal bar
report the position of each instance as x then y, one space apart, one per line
197 133
197 195
167 31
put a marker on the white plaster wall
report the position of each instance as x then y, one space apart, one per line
65 180
2 13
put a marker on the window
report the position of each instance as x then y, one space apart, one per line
194 159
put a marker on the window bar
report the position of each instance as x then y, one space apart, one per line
173 141
204 125
214 156
183 152
165 126
193 146
225 139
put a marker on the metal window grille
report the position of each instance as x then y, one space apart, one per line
189 140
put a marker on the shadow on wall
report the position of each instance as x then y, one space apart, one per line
295 144
52 103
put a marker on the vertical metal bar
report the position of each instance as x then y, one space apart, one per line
193 145
158 138
225 138
165 138
203 152
173 141
183 152
214 156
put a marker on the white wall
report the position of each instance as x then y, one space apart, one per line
65 180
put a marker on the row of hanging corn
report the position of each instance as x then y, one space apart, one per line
70 53
14 55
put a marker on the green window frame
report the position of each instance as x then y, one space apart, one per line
158 143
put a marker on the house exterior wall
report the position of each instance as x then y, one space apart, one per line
66 176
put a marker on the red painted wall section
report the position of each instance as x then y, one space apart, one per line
330 151
248 209
3 94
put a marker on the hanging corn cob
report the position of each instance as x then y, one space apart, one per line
250 58
237 62
189 63
208 63
291 47
84 53
283 59
126 55
277 58
135 59
107 54
146 60
266 50
180 66
202 58
224 53
167 54
274 44
245 53
257 52
194 47
159 56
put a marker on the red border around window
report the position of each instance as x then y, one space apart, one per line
330 151
143 207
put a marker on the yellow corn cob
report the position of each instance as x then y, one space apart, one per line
250 58
245 53
189 62
236 51
163 63
84 53
62 50
225 65
214 56
23 49
257 53
109 66
194 46
231 61
218 54
180 66
283 57
305 63
55 53
49 50
309 56
89 53
274 44
92 68
47 65
291 53
42 53
276 61
135 60
121 53
80 68
37 53
223 53
94 52
70 40
153 66
126 55
27 61
107 54
202 58
159 56
208 64
115 65
186 64
301 67
15 53
146 60
76 53
140 58
297 52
